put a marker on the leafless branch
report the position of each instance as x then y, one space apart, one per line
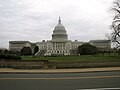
117 4
116 10
115 35
117 17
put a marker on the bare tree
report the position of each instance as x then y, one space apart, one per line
115 35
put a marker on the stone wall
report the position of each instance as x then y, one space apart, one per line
45 64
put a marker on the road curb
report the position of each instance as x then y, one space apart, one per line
57 71
53 72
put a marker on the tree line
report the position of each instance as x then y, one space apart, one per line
85 49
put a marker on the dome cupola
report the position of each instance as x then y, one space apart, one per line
59 25
59 32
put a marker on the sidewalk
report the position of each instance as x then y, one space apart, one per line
45 71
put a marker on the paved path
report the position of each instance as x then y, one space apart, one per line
10 70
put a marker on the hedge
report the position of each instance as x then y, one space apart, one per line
8 57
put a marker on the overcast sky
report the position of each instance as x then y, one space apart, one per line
34 20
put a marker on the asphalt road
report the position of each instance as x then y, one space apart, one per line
63 81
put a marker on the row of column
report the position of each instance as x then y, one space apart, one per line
59 46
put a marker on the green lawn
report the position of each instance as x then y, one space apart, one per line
76 58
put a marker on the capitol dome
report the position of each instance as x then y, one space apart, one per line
59 32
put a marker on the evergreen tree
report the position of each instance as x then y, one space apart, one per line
26 51
36 49
87 49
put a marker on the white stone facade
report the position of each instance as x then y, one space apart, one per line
101 44
18 45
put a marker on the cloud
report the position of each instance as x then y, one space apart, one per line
34 20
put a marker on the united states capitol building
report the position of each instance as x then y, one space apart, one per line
59 44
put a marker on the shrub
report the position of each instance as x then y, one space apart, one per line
118 51
87 49
36 49
8 57
26 51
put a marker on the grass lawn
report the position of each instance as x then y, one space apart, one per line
75 58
